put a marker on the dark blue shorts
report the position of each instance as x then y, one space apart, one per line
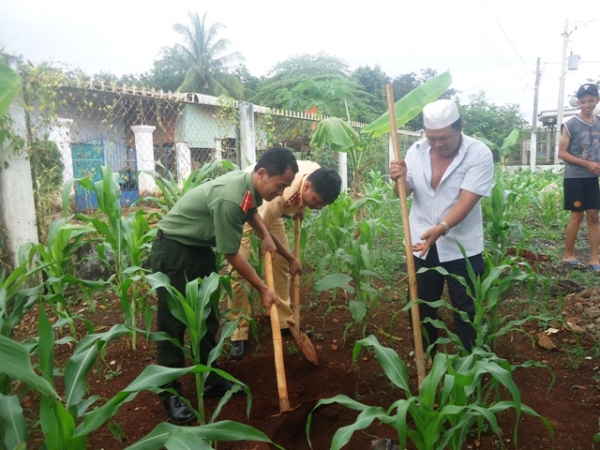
581 194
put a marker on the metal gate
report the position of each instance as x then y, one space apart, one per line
90 155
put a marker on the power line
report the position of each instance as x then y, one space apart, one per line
502 30
493 52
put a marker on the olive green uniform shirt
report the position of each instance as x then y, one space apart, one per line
211 215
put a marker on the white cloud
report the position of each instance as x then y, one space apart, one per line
489 45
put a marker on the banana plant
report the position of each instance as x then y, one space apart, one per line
9 85
339 136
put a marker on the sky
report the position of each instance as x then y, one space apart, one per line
487 45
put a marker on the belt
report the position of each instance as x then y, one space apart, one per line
160 234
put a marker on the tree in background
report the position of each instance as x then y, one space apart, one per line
492 122
207 68
372 81
318 83
168 73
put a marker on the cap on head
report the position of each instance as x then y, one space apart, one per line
586 89
440 114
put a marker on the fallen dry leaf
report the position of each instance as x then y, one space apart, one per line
545 342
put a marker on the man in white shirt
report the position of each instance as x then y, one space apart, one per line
447 173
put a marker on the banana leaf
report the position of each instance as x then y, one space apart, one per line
9 85
409 106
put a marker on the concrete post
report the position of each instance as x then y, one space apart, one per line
247 135
144 154
343 169
184 160
533 150
17 204
59 133
217 152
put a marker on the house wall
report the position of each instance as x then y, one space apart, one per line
17 205
199 126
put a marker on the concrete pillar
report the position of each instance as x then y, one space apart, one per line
247 135
59 133
184 160
144 153
217 153
343 169
17 204
533 150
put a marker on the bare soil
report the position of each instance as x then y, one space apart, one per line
571 403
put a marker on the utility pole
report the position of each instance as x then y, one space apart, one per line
561 90
533 141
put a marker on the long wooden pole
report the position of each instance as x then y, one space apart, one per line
410 263
284 402
297 276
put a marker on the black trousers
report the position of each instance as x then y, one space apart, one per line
181 263
430 286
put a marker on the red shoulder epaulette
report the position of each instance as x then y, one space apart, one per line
247 202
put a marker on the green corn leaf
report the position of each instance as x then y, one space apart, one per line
343 435
181 439
333 281
57 424
390 362
220 431
77 369
12 421
358 310
46 345
14 361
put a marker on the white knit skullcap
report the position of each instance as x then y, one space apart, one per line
440 114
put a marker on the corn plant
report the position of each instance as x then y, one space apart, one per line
200 297
65 421
357 267
487 292
123 242
172 190
19 291
56 259
457 394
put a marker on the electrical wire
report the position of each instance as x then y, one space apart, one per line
504 33
493 52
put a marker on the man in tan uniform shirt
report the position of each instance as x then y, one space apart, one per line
313 187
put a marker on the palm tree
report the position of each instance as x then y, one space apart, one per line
202 53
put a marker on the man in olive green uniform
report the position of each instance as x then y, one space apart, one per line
313 187
213 215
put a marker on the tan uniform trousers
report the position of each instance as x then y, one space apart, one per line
281 277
